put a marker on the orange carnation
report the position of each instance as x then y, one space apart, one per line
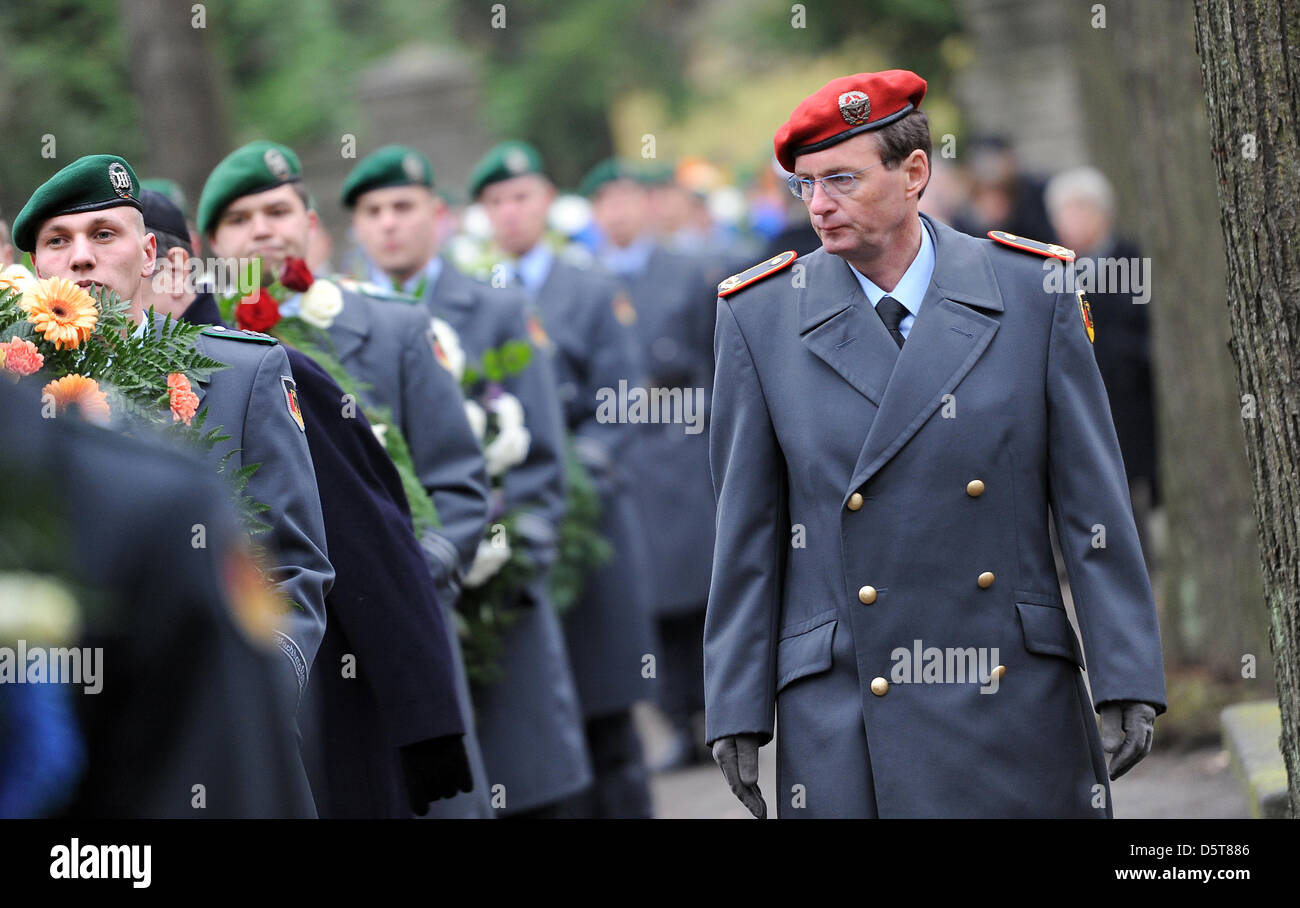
184 402
20 356
62 311
82 392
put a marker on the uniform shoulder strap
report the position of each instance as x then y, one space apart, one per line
1024 244
752 275
256 337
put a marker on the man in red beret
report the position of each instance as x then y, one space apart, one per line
893 415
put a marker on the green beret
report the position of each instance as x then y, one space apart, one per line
169 188
504 162
91 183
256 167
608 171
392 165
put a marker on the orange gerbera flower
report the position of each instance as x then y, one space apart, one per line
62 311
184 402
82 392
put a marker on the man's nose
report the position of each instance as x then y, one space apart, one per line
261 226
83 254
821 202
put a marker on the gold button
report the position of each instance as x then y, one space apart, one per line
975 488
855 501
998 672
879 686
867 595
985 580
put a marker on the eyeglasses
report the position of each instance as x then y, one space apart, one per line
834 184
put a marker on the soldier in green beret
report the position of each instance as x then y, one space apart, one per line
85 225
589 320
531 723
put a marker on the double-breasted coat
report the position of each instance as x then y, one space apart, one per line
877 504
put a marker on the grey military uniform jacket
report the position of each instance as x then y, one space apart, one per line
530 723
608 630
675 308
250 401
882 544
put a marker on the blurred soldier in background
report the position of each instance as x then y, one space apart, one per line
529 719
588 319
674 305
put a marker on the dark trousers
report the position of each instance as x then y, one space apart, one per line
681 645
622 786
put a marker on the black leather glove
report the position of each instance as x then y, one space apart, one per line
737 757
1127 728
435 768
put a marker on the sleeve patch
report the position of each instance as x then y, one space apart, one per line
1086 312
291 401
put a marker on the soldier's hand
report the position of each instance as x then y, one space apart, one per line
1127 727
737 757
435 768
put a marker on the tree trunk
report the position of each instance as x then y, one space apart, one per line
1147 131
1248 51
177 86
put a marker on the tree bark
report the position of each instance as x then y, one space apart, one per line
182 110
1251 77
1147 130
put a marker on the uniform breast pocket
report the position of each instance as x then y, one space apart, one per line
804 651
1046 628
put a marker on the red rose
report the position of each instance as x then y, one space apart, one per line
296 276
257 313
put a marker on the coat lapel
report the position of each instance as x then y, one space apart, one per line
351 326
838 324
946 340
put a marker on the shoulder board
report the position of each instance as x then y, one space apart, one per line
372 290
256 337
757 273
1024 244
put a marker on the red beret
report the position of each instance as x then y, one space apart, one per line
844 107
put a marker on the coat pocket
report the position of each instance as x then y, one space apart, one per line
1047 631
804 653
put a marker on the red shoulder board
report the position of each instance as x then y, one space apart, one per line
1051 250
757 273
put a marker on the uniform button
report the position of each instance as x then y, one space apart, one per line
975 488
998 672
867 595
855 501
985 580
879 686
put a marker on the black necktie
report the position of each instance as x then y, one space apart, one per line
892 313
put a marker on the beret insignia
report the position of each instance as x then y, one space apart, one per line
276 163
855 107
120 180
757 273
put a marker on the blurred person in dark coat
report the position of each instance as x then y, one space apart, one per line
1082 206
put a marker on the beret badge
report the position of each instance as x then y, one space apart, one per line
120 180
277 163
855 107
412 168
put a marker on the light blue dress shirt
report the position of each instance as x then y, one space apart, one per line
627 260
429 274
911 286
533 267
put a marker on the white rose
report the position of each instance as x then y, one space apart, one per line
320 304
490 558
449 340
477 419
508 449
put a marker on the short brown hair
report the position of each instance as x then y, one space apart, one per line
900 138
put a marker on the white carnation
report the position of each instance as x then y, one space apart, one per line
477 419
490 557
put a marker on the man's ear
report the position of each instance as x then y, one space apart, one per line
917 167
150 254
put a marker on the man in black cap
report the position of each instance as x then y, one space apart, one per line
386 738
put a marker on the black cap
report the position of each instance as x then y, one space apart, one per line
162 216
